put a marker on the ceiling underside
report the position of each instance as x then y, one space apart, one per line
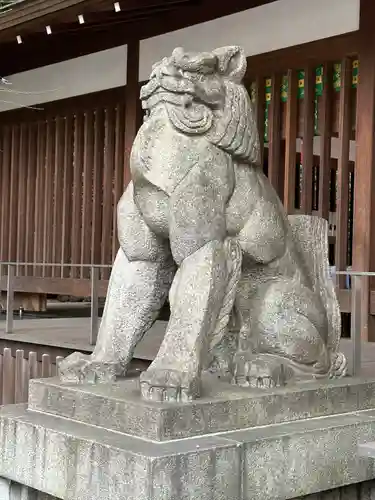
105 25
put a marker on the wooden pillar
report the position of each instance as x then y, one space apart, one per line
364 183
131 102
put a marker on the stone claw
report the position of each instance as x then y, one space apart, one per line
170 386
80 368
260 372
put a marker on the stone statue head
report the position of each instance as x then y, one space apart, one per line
204 95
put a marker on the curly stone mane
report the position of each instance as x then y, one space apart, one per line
191 87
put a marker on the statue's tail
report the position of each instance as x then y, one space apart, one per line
312 235
234 263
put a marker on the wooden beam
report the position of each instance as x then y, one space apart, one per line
296 57
364 183
342 210
131 104
274 136
325 119
308 141
290 143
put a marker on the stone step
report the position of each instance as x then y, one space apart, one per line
75 461
223 407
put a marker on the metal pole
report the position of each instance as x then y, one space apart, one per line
355 325
94 305
10 300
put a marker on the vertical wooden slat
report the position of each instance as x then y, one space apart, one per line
325 120
46 366
18 380
48 196
39 199
259 113
132 102
96 231
33 365
291 130
342 210
87 191
5 194
308 141
76 226
106 244
67 195
31 371
8 377
31 195
274 135
22 190
57 363
58 193
13 202
119 171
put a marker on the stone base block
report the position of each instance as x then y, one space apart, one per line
74 461
222 408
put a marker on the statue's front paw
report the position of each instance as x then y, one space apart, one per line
80 368
168 385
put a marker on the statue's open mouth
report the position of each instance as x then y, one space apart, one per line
162 96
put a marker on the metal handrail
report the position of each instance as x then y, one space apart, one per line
94 313
356 299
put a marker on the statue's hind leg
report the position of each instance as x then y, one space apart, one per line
140 280
285 338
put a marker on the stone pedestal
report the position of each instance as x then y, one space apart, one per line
105 443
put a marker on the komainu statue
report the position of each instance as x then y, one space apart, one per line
249 288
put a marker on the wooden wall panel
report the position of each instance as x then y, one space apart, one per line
5 193
62 175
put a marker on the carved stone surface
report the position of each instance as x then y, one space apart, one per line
222 407
74 460
361 491
249 287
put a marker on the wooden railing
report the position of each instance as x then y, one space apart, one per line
17 371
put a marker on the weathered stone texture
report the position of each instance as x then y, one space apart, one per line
249 287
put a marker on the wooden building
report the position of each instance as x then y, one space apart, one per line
64 162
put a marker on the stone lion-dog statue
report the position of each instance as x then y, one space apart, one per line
249 288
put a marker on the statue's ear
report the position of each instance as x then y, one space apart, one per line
231 62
